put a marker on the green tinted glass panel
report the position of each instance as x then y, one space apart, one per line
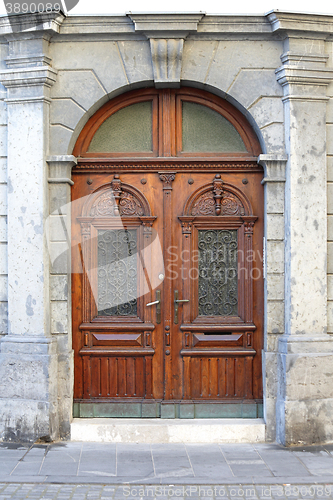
218 274
205 130
127 130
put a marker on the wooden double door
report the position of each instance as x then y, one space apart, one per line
167 287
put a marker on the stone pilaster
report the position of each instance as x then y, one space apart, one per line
274 185
29 358
305 360
59 245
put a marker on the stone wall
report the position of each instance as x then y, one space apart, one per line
3 201
329 121
276 69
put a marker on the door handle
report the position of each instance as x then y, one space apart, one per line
176 303
158 306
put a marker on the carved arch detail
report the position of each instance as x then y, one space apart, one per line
116 199
218 199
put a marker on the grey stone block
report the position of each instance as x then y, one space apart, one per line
59 198
3 258
3 140
65 112
60 139
101 59
229 58
275 197
60 257
267 110
197 58
27 420
273 136
275 257
275 316
59 317
84 84
3 317
136 58
275 286
3 288
250 84
3 229
3 113
3 199
329 138
58 287
3 170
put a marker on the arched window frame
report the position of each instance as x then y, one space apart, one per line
167 124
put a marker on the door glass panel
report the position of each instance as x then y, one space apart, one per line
218 277
117 272
127 130
205 130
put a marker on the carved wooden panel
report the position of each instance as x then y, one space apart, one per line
218 377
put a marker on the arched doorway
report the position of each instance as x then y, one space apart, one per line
167 265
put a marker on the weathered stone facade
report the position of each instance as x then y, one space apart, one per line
277 69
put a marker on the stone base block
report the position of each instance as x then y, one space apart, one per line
307 422
26 421
28 389
154 430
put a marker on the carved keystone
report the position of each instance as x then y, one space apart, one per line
166 33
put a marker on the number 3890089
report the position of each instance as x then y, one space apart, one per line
31 8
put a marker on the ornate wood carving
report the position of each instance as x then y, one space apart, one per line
167 178
86 165
217 192
117 201
219 199
205 205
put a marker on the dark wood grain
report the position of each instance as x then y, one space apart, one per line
202 358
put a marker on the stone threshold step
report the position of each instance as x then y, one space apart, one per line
152 430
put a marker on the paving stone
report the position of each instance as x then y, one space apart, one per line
208 460
134 460
171 461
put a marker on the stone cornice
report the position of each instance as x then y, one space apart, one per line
293 59
321 24
139 26
30 24
274 167
26 77
166 25
60 168
286 75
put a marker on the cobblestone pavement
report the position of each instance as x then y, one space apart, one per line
88 471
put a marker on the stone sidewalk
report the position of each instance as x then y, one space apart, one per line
79 471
